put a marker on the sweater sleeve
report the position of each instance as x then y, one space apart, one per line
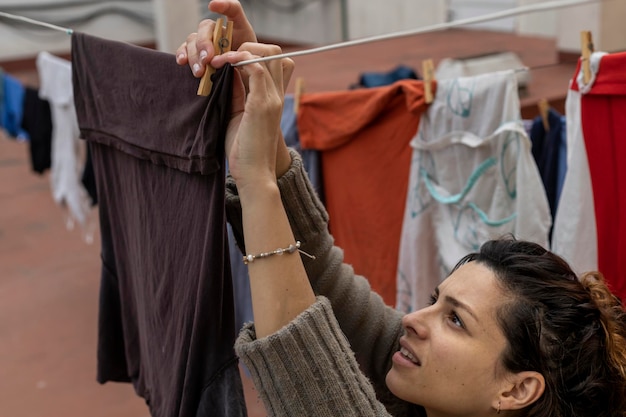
372 328
307 368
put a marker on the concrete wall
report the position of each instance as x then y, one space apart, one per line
23 41
374 17
612 32
174 20
572 21
319 22
537 24
464 9
604 19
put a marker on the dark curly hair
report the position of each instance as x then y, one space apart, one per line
571 330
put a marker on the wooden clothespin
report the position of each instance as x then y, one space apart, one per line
544 109
586 44
299 90
221 43
428 70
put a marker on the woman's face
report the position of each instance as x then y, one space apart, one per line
450 353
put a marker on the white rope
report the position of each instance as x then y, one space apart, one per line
36 22
433 28
551 5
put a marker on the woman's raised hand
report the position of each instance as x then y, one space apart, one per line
254 145
197 51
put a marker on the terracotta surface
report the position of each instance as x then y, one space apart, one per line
49 276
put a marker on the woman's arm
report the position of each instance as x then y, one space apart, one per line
279 286
295 339
371 327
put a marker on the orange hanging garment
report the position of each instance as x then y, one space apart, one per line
363 137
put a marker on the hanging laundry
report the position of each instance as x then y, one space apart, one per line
598 184
562 163
549 150
363 137
1 98
472 178
241 283
55 86
13 107
380 79
88 178
488 63
166 318
528 125
37 121
310 157
574 235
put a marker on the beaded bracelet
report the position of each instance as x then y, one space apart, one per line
280 251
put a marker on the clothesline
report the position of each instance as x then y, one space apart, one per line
36 22
551 5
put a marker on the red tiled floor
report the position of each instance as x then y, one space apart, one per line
48 300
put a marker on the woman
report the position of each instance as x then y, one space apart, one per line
511 330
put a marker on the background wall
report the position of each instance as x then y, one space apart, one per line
166 22
604 20
297 21
538 24
463 9
174 20
368 18
128 20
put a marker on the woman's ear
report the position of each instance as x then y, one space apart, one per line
524 388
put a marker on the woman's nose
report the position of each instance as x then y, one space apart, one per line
417 323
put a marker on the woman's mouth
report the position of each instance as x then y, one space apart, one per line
409 356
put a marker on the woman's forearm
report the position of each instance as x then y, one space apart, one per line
279 286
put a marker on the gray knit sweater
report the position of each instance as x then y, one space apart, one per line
333 358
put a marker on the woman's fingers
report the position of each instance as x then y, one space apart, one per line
288 67
280 76
182 53
232 58
189 52
232 9
197 51
204 41
257 109
200 47
262 81
274 66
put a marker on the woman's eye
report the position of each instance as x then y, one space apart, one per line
451 316
454 318
433 299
